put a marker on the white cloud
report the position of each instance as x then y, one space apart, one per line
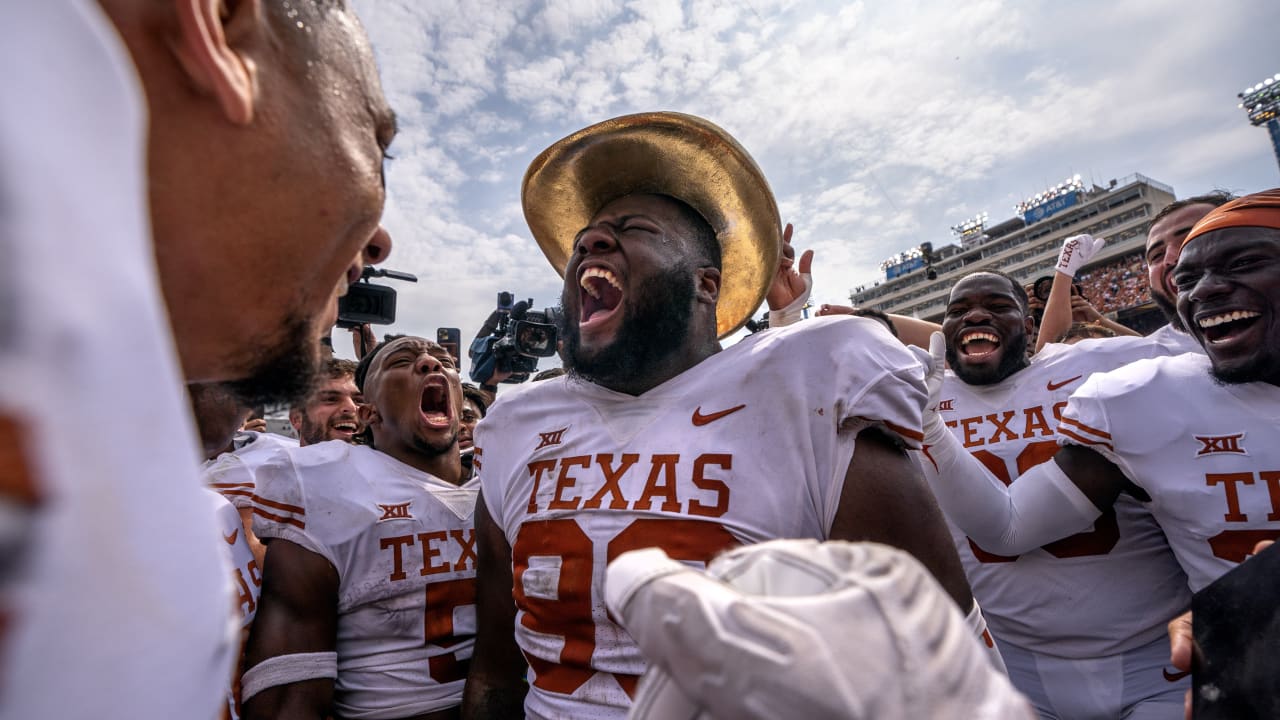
878 124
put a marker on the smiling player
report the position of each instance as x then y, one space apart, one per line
331 410
1096 602
1207 467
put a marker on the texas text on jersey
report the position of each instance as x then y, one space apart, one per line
1096 593
1213 472
698 464
403 545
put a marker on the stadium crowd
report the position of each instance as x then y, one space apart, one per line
1116 285
852 515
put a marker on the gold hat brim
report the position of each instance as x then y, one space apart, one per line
666 153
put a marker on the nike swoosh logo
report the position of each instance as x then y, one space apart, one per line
231 539
699 419
1054 386
1174 677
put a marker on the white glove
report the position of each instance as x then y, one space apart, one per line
1076 251
795 628
934 362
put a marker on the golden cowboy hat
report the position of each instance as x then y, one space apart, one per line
670 153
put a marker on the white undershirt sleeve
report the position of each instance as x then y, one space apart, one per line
1041 506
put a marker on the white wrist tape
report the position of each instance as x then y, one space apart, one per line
285 669
793 312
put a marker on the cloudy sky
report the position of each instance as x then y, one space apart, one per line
878 124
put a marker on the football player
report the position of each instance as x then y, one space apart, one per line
144 145
330 410
368 592
1091 606
1169 229
668 236
217 415
474 404
1192 437
231 456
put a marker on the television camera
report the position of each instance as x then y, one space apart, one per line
512 339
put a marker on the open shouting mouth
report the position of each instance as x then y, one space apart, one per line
436 409
599 297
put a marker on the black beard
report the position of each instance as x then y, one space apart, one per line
284 370
1012 359
1253 372
656 324
311 433
433 450
1169 310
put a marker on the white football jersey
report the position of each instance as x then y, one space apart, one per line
113 596
1175 342
231 473
403 545
246 582
751 444
1097 593
1207 454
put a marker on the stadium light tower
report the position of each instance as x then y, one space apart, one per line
1262 103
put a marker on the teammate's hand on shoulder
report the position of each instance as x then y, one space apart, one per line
833 310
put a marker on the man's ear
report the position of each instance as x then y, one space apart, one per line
367 414
209 32
1029 323
708 285
295 419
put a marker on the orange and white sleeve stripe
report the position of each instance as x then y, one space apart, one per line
1081 434
283 513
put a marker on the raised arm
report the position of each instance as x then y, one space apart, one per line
1076 251
294 634
496 683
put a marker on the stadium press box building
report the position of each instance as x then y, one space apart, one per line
1025 246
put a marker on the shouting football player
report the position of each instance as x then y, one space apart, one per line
1192 438
368 590
668 237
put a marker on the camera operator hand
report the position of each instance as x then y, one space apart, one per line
363 338
1083 311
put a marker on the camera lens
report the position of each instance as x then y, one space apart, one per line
1042 287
